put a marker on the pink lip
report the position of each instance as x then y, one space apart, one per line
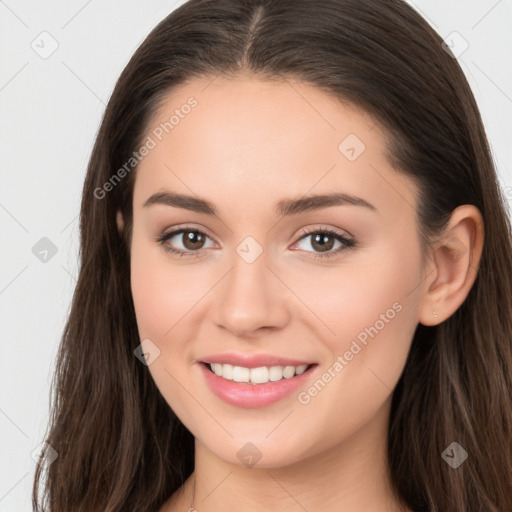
252 396
254 361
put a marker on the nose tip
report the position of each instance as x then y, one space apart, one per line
251 298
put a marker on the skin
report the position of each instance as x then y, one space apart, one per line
247 145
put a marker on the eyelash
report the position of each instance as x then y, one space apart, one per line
347 243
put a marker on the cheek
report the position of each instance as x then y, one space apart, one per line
352 296
368 314
155 287
379 316
158 291
373 314
162 290
149 300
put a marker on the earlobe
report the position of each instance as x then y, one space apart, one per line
120 222
456 256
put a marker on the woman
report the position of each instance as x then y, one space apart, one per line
285 298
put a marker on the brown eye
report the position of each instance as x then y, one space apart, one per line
193 240
322 242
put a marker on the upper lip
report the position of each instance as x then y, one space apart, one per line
253 361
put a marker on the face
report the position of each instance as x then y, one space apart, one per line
337 286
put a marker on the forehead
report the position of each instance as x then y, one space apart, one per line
262 114
244 137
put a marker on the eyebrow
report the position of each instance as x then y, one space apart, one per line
285 207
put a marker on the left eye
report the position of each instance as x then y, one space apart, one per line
192 240
324 240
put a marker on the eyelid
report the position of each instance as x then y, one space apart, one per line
337 231
185 227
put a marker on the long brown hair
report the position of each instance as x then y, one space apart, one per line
120 446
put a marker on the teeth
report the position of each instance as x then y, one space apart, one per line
260 375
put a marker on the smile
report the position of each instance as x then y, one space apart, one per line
252 388
259 375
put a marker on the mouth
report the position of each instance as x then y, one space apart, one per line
257 376
253 388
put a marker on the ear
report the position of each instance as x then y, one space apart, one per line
456 256
120 222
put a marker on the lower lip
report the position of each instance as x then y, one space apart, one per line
252 396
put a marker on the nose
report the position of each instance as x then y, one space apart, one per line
252 297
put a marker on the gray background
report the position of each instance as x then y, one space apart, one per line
50 110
